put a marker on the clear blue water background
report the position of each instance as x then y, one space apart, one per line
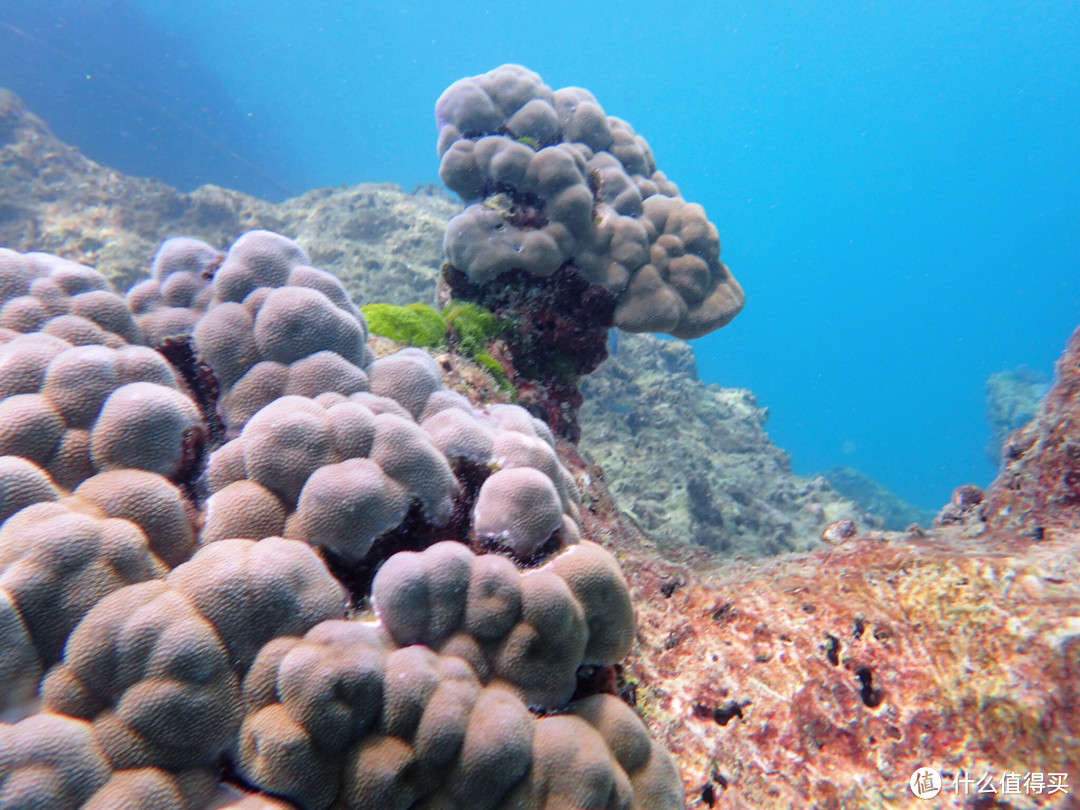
897 185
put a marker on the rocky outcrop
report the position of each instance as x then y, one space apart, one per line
54 199
693 463
894 512
1012 400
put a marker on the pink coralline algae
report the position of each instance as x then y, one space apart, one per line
243 561
827 679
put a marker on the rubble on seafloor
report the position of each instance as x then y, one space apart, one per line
821 679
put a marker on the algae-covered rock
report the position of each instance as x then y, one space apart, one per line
413 324
692 463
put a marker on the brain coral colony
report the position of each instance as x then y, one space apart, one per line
570 229
243 563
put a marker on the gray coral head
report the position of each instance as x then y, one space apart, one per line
550 181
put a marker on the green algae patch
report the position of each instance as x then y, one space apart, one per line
411 325
464 327
473 327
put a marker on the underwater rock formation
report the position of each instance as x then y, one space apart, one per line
54 199
825 680
644 404
1012 400
893 512
1038 489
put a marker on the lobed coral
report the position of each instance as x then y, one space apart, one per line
569 229
174 597
549 180
264 322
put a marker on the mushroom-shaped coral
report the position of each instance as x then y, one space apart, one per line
569 229
146 680
518 507
56 563
43 293
170 302
549 180
274 325
339 472
77 410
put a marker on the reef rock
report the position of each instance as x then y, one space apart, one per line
893 511
54 199
692 462
1012 399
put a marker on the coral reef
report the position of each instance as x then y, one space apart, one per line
819 679
550 180
172 632
954 648
825 681
569 229
386 246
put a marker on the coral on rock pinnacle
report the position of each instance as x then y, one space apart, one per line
569 229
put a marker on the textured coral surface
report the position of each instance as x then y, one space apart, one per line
550 181
187 604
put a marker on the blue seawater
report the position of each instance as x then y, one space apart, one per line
896 184
133 96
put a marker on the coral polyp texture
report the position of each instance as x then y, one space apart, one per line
262 320
550 182
245 563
